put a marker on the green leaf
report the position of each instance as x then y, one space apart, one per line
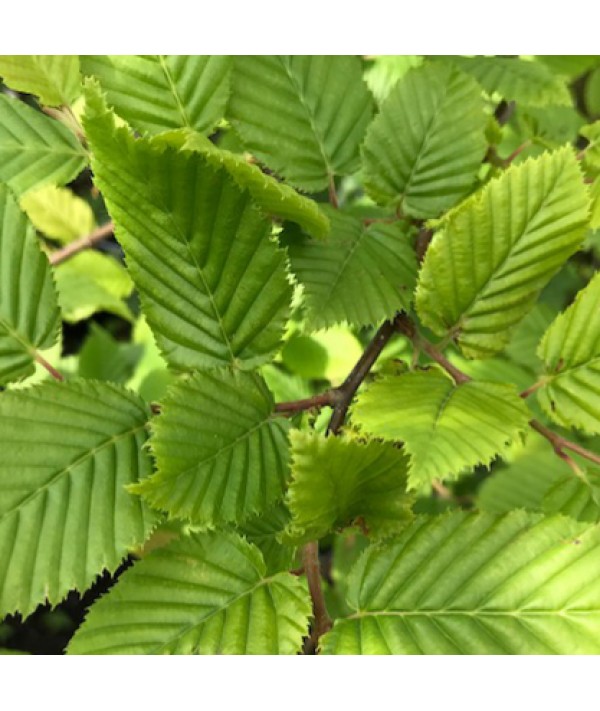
339 482
220 455
570 66
58 213
104 358
91 282
213 286
29 315
274 198
423 151
385 71
264 531
447 429
380 257
465 583
485 268
203 594
595 198
577 497
68 450
34 149
53 78
591 155
528 83
570 350
304 116
160 92
528 471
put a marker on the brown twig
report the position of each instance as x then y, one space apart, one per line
329 397
532 388
322 622
86 242
50 368
559 443
333 198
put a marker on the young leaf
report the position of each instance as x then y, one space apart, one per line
68 450
220 456
465 583
484 270
104 358
58 213
29 315
264 531
274 198
160 92
446 428
91 282
577 497
570 350
384 72
423 151
304 116
528 83
213 286
203 594
591 155
34 149
380 257
53 78
338 482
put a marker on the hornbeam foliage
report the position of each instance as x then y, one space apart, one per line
328 378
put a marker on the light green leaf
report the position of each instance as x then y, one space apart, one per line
220 455
577 497
304 116
485 268
274 198
68 450
203 594
423 151
34 149
384 72
447 429
91 282
339 482
528 83
104 358
570 350
160 92
465 583
528 471
213 286
570 66
591 155
29 315
380 258
58 213
595 198
264 530
53 78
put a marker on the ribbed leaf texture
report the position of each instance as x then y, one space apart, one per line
528 83
34 149
595 198
424 149
213 286
220 455
274 198
447 429
304 116
29 315
161 92
484 270
264 531
524 477
203 594
58 213
68 450
338 482
379 258
53 78
577 497
570 350
466 583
